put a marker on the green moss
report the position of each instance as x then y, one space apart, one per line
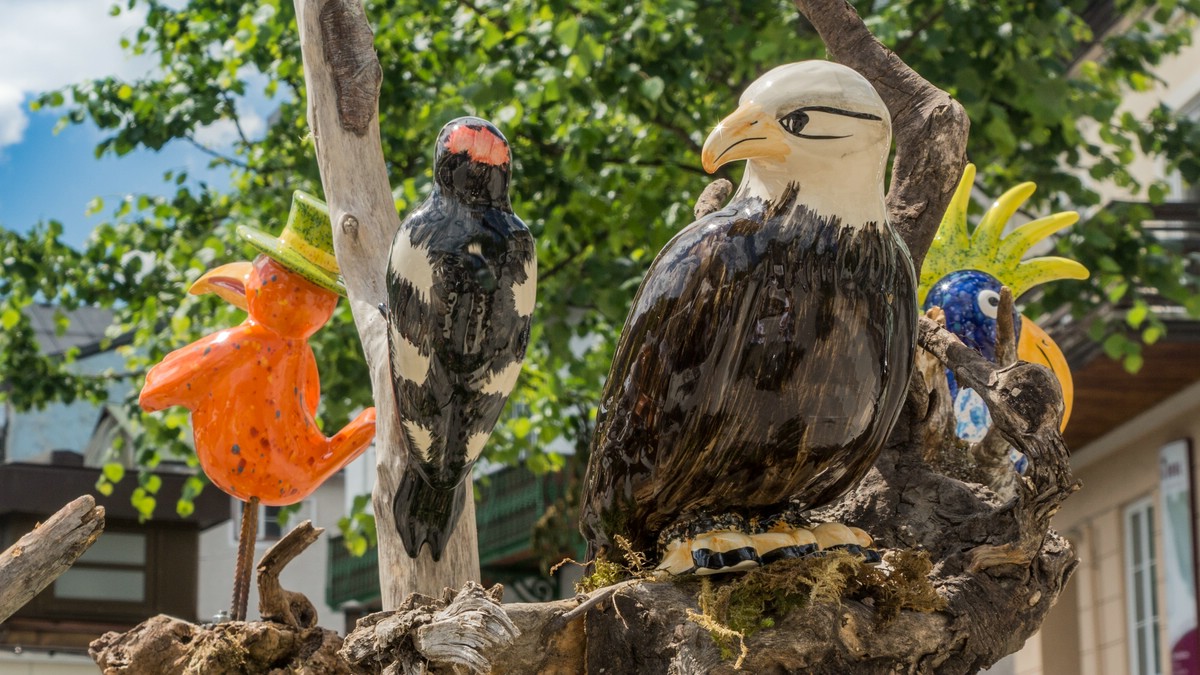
605 574
608 573
745 604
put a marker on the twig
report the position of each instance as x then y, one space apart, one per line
218 155
233 115
594 599
1006 332
274 602
713 197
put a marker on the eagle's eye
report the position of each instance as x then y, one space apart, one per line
989 303
794 122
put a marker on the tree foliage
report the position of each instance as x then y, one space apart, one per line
606 104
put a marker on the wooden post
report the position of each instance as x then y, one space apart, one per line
40 557
342 74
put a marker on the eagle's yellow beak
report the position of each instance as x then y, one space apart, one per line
1035 346
227 281
747 133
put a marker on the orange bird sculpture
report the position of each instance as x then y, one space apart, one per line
253 389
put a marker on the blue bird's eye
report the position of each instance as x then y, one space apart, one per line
989 303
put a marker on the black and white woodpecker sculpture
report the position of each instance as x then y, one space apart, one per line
769 347
461 286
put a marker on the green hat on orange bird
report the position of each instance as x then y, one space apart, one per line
306 244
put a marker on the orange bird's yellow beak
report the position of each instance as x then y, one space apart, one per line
227 281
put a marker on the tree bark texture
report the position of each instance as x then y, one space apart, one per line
343 75
41 556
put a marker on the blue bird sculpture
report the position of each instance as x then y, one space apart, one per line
963 274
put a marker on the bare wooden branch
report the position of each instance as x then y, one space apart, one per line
164 645
459 630
286 640
991 453
41 556
930 127
1006 330
343 74
467 632
714 197
274 602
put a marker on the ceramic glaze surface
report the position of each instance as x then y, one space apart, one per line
971 300
461 291
963 273
770 344
253 389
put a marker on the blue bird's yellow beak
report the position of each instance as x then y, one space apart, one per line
1036 346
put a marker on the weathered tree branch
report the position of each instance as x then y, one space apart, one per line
991 453
930 127
343 76
286 640
997 565
713 197
274 602
41 556
459 630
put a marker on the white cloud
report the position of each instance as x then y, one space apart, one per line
222 133
45 45
12 118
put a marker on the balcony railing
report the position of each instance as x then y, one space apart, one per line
350 578
511 502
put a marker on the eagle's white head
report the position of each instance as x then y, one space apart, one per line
818 124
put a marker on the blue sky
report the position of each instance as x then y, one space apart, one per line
53 177
44 45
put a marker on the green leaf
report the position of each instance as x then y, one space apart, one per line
113 471
1114 346
125 92
567 32
1133 363
9 318
152 483
652 88
521 427
1137 314
104 487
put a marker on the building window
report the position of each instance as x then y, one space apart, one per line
114 568
1179 189
1141 587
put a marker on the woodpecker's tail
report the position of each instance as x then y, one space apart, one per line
426 514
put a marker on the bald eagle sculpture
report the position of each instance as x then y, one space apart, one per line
769 347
